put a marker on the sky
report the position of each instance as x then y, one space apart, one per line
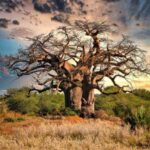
130 17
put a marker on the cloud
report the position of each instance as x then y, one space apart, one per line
15 82
3 34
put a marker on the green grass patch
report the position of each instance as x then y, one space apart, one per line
13 119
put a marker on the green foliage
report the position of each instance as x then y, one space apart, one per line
13 119
143 93
19 101
138 117
20 119
50 104
142 116
121 110
43 104
128 106
68 112
111 89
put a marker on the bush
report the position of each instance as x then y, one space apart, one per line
50 104
111 89
19 101
141 115
23 105
11 119
138 117
133 109
43 104
68 112
121 110
20 119
143 93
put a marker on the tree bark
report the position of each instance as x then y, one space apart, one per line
76 96
67 98
88 103
73 98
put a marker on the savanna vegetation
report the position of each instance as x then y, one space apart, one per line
74 61
90 135
129 107
101 133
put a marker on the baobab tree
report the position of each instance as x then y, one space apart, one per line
80 59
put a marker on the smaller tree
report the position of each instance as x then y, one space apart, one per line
80 59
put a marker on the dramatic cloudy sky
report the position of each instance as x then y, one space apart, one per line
129 17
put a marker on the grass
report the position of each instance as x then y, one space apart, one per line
13 119
91 135
25 132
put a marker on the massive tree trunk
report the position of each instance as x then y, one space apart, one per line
81 99
73 98
88 103
76 96
67 98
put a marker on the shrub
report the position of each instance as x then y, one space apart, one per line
9 119
121 110
111 89
13 119
19 101
68 112
43 104
138 117
143 93
20 119
127 106
141 115
23 105
50 104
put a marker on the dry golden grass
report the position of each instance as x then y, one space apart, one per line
71 133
